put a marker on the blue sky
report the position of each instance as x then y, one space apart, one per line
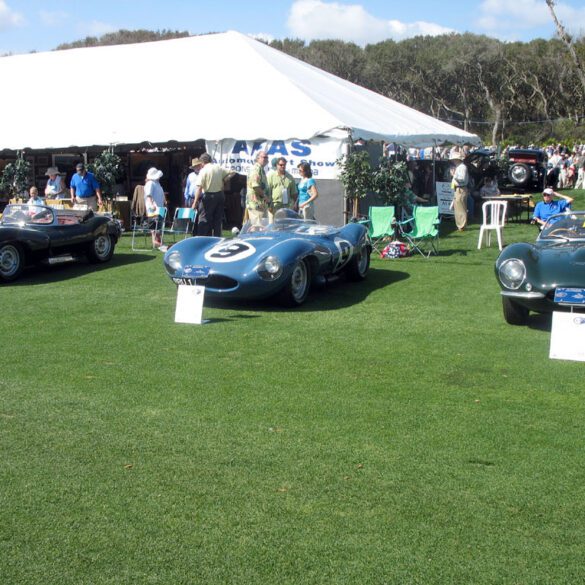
40 25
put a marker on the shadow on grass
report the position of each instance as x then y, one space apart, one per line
540 321
329 296
42 273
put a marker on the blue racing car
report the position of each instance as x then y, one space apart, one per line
268 259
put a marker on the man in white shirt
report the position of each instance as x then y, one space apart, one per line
459 184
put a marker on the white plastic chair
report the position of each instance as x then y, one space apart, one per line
494 218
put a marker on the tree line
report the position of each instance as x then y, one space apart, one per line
508 93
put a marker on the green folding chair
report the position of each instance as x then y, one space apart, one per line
381 224
424 230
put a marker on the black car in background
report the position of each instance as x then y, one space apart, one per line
522 170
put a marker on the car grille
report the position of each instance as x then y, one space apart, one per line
220 282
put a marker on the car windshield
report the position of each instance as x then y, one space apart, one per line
27 215
297 225
564 226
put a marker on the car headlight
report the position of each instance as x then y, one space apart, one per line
173 260
270 268
512 273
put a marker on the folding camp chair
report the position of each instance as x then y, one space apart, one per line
381 225
183 222
424 231
142 227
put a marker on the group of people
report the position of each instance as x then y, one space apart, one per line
84 188
266 192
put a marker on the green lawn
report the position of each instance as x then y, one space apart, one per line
391 432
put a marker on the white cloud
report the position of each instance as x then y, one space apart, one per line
502 18
316 19
95 28
266 37
8 17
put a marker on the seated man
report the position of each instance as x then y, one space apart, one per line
548 206
489 188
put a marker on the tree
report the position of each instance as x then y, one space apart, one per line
15 176
568 43
107 168
390 181
356 176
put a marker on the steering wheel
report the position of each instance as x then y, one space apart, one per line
560 231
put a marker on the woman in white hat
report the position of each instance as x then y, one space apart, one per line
154 200
55 188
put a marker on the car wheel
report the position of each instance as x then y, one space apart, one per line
514 314
101 249
520 174
358 266
297 288
11 262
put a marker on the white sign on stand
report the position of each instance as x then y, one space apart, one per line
567 340
189 307
444 198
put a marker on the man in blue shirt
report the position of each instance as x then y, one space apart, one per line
548 206
85 188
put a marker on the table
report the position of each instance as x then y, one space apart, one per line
517 205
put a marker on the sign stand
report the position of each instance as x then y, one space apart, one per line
567 340
189 308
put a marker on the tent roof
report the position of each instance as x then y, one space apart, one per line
214 86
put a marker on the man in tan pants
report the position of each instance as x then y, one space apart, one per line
460 190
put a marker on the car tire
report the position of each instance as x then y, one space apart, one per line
101 249
11 262
296 289
520 174
514 314
358 266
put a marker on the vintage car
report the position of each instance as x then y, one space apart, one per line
528 168
263 260
547 275
36 233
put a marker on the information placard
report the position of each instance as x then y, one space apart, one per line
444 198
189 307
567 340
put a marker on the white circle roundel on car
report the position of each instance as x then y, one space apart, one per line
230 251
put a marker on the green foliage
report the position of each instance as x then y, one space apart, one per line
124 37
356 173
15 176
108 168
390 181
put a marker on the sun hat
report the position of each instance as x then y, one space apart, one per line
455 156
196 162
548 191
153 174
52 171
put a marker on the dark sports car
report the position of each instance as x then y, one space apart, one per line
281 258
36 233
547 275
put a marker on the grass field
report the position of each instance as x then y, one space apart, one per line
394 431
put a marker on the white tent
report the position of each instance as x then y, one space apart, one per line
209 87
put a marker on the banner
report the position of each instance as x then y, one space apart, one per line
444 198
240 155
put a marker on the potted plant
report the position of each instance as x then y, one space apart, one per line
108 169
356 176
15 177
391 182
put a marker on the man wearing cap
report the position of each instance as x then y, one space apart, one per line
548 206
85 188
460 191
192 182
210 198
55 188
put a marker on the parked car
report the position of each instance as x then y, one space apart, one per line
524 169
527 168
264 260
547 275
37 233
